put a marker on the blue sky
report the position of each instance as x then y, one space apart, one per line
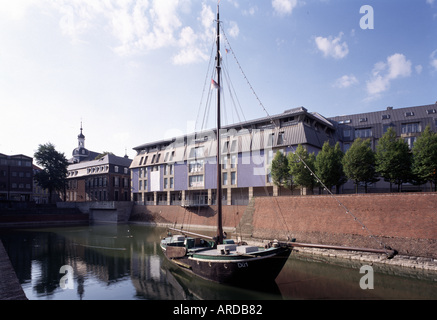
134 70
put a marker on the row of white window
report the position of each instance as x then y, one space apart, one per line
194 181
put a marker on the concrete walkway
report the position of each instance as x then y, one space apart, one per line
10 288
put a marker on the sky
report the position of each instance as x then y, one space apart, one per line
138 71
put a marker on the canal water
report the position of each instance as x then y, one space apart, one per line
124 262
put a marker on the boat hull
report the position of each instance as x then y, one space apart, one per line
236 270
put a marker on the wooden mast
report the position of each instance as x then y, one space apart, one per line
219 173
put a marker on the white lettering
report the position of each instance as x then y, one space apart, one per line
367 21
366 281
67 281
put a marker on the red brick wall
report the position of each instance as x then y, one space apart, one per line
203 216
405 222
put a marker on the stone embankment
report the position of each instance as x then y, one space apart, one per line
405 222
10 288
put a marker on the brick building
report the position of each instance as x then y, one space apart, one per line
16 177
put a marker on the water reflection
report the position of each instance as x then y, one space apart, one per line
125 262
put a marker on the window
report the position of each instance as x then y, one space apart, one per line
225 178
410 141
281 138
363 133
234 161
234 146
409 114
233 178
385 127
363 119
385 116
116 168
225 162
196 152
196 166
347 133
411 127
196 181
270 140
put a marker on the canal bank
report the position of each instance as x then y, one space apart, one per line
10 288
405 222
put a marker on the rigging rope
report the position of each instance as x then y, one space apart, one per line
363 226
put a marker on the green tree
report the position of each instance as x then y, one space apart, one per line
53 175
425 157
328 166
359 163
102 155
280 171
393 159
301 164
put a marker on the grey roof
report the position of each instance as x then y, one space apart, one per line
107 159
407 114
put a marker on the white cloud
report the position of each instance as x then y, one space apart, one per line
397 66
332 47
193 47
233 30
138 26
346 81
15 10
418 69
433 59
284 7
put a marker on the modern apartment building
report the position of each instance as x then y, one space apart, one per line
181 171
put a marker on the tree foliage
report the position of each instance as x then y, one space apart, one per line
328 166
425 157
393 159
359 163
280 171
53 175
102 155
299 163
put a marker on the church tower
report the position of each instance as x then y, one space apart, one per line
80 153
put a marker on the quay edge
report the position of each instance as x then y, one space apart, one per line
406 222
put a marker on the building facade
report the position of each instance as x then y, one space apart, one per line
16 177
182 170
94 177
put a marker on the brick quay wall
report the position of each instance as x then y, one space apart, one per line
406 222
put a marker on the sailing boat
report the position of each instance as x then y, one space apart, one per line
217 258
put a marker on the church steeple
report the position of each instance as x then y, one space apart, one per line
80 153
81 138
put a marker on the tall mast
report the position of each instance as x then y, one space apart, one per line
219 173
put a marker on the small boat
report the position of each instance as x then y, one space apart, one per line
217 258
227 262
